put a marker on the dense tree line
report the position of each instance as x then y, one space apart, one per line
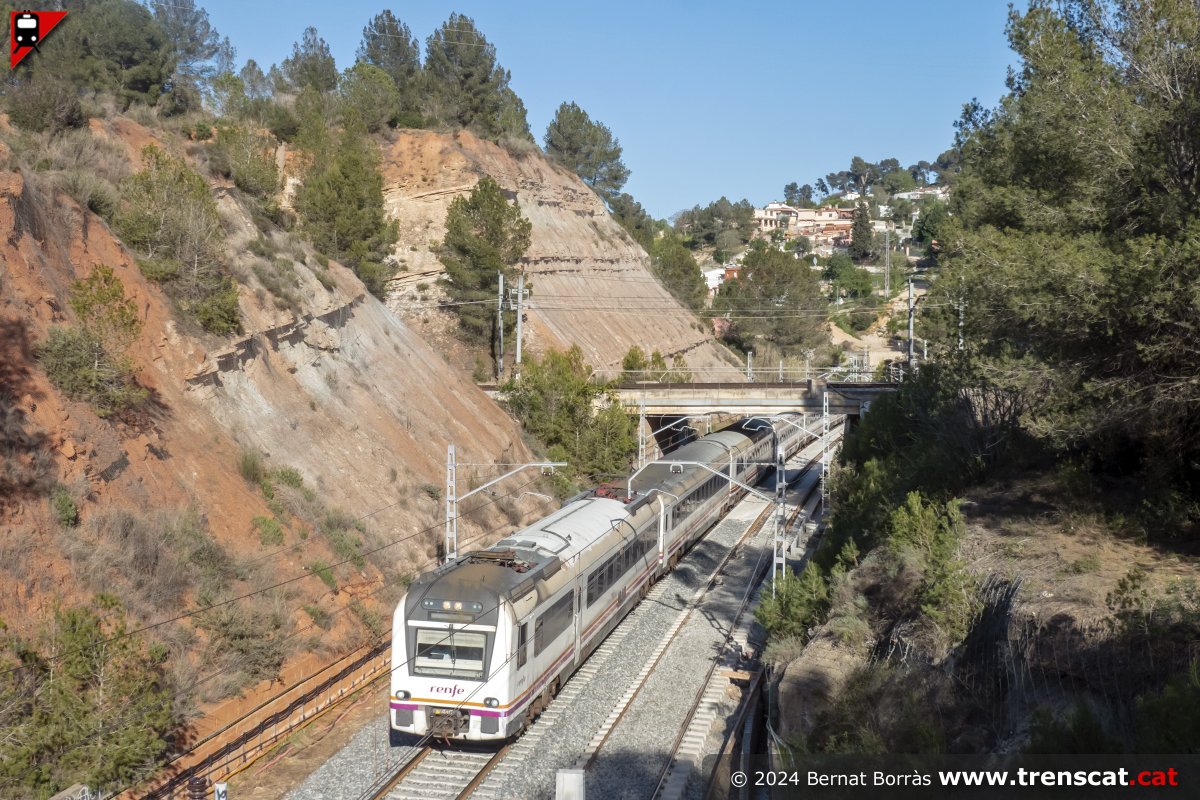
1070 248
575 417
1073 234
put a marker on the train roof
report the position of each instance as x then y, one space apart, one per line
712 449
568 531
513 566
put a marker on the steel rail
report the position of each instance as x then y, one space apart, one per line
755 579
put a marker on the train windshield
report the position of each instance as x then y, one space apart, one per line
445 654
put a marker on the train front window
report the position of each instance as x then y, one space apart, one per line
443 654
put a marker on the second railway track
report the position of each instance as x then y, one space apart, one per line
526 767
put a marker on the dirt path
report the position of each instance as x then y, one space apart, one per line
875 340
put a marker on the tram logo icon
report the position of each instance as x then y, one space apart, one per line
28 29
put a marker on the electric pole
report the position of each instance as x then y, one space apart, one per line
887 264
500 328
910 326
451 544
519 295
961 305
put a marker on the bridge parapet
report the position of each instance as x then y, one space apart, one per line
751 398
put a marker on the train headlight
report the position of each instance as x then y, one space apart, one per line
491 702
402 694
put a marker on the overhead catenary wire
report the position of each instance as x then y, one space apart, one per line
308 574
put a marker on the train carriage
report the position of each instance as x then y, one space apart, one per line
481 644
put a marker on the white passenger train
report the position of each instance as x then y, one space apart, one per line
481 644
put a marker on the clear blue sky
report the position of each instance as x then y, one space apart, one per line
708 97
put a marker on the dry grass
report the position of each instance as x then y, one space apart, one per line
149 563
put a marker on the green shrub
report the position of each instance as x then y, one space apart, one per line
372 620
45 105
324 572
269 530
932 532
320 617
217 311
251 638
157 269
282 122
783 650
345 545
247 157
409 119
798 603
64 508
250 464
91 363
168 215
288 476
81 369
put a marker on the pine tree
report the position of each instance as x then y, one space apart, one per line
388 44
485 235
311 64
196 43
87 704
862 235
587 148
341 207
467 87
370 93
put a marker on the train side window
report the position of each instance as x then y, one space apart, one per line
552 623
522 641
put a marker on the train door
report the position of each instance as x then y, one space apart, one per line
662 532
578 617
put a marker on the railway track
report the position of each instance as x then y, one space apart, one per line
691 740
438 773
563 731
432 773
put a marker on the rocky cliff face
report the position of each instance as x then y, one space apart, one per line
324 379
591 283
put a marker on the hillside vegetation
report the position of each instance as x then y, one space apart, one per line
214 443
1072 244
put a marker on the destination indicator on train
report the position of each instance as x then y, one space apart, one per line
27 30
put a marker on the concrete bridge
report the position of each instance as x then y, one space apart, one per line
689 399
